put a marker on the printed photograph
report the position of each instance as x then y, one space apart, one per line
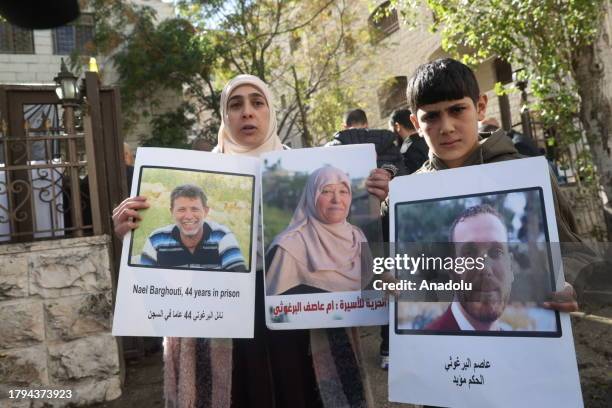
507 231
197 220
318 219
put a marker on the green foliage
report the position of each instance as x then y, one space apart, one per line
541 36
170 129
291 44
327 110
322 55
276 220
158 56
156 61
112 18
169 56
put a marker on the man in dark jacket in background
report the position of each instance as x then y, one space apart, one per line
413 147
356 131
388 157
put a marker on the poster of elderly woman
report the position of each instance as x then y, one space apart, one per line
320 225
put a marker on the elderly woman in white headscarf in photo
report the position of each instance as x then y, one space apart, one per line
297 368
320 251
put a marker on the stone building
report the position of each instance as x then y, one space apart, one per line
398 50
33 56
380 82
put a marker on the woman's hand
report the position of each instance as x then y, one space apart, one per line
377 183
126 215
564 300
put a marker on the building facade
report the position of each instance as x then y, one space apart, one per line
34 56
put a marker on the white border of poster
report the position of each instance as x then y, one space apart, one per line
517 371
178 302
331 309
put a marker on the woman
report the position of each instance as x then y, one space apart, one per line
319 251
299 368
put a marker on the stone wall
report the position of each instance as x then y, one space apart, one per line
55 321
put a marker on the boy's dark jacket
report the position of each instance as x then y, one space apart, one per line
385 142
498 147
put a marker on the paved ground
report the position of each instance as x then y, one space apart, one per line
593 341
592 338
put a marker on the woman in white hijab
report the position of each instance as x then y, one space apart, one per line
248 120
298 368
320 251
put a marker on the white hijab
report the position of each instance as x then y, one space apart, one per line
226 143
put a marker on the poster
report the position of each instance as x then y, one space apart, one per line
319 223
189 269
469 329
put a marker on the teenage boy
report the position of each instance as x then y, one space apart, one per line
447 104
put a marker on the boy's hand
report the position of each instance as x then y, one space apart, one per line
377 183
388 277
563 301
126 214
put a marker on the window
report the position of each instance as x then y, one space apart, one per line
383 22
392 95
15 40
77 36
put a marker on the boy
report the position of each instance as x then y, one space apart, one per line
446 103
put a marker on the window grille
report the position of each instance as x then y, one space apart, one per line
15 40
77 36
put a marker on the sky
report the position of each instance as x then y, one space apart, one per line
352 159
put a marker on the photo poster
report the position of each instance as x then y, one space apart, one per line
527 357
319 238
188 270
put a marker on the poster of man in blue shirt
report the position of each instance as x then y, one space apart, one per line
192 242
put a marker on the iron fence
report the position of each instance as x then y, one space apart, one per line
44 183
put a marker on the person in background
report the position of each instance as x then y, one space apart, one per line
488 125
413 147
356 131
523 144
